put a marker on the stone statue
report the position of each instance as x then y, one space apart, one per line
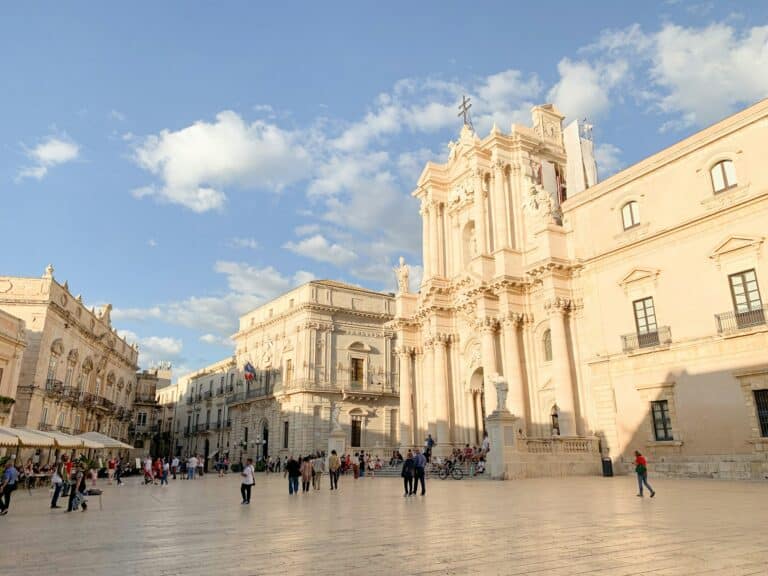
335 412
402 272
106 315
539 204
501 392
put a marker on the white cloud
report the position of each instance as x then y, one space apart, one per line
51 152
608 159
216 340
196 163
306 229
117 115
318 248
152 243
154 349
251 243
587 89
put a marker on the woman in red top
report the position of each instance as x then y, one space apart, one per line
641 468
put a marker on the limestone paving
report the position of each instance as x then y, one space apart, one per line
554 527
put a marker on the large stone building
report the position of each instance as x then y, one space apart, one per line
147 431
203 411
322 344
12 344
628 311
76 373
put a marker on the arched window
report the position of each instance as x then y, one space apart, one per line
723 176
547 343
630 215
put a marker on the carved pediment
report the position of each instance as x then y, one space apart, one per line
736 243
639 275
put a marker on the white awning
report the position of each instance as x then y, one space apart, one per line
7 438
105 441
68 441
31 438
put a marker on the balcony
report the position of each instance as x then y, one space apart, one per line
633 342
54 387
145 399
45 427
733 322
189 400
71 394
202 427
208 394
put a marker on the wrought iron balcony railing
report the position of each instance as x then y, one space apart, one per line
730 322
661 336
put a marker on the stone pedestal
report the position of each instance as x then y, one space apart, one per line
502 434
337 440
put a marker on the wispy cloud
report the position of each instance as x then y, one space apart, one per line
52 151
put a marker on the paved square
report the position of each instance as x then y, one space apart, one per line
550 527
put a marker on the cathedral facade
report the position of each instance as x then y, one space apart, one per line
615 316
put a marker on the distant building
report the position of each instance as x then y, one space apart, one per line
76 374
12 345
146 429
321 345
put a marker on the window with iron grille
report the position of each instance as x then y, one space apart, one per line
761 402
662 426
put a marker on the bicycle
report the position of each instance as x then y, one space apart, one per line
454 471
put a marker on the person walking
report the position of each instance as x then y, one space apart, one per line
419 463
57 479
293 471
191 467
641 469
248 481
407 473
174 466
8 486
334 464
318 465
306 474
119 471
166 470
110 469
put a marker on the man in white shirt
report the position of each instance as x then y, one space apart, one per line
174 466
248 481
191 467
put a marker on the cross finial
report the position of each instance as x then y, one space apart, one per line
466 104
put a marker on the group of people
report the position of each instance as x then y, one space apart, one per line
309 468
414 472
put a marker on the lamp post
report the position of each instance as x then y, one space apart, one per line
258 446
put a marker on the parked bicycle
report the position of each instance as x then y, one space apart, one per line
450 469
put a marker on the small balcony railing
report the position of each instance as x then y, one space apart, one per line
54 387
730 322
203 427
636 341
45 427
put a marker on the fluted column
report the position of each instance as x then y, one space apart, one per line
561 365
513 366
479 214
406 410
428 387
425 237
490 366
500 214
434 241
441 390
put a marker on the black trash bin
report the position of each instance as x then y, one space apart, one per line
607 467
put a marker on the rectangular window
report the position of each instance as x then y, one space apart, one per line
662 427
356 372
761 402
288 371
357 431
285 434
747 303
44 416
52 368
645 322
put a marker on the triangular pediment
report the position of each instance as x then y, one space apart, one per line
735 243
638 275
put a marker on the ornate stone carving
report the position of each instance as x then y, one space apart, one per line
558 305
335 411
57 347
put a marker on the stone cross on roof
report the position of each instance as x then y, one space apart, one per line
466 104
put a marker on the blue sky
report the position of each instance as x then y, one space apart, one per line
188 161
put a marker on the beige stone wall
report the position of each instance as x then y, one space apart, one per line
76 374
12 345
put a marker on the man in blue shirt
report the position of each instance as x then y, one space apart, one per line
420 462
9 484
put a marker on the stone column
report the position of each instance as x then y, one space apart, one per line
425 236
513 366
406 422
434 241
479 214
561 365
428 387
499 206
441 391
490 368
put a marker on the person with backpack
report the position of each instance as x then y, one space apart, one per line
641 469
409 467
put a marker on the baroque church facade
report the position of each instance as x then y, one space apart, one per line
611 316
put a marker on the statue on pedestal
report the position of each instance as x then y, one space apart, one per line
500 383
402 272
335 412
